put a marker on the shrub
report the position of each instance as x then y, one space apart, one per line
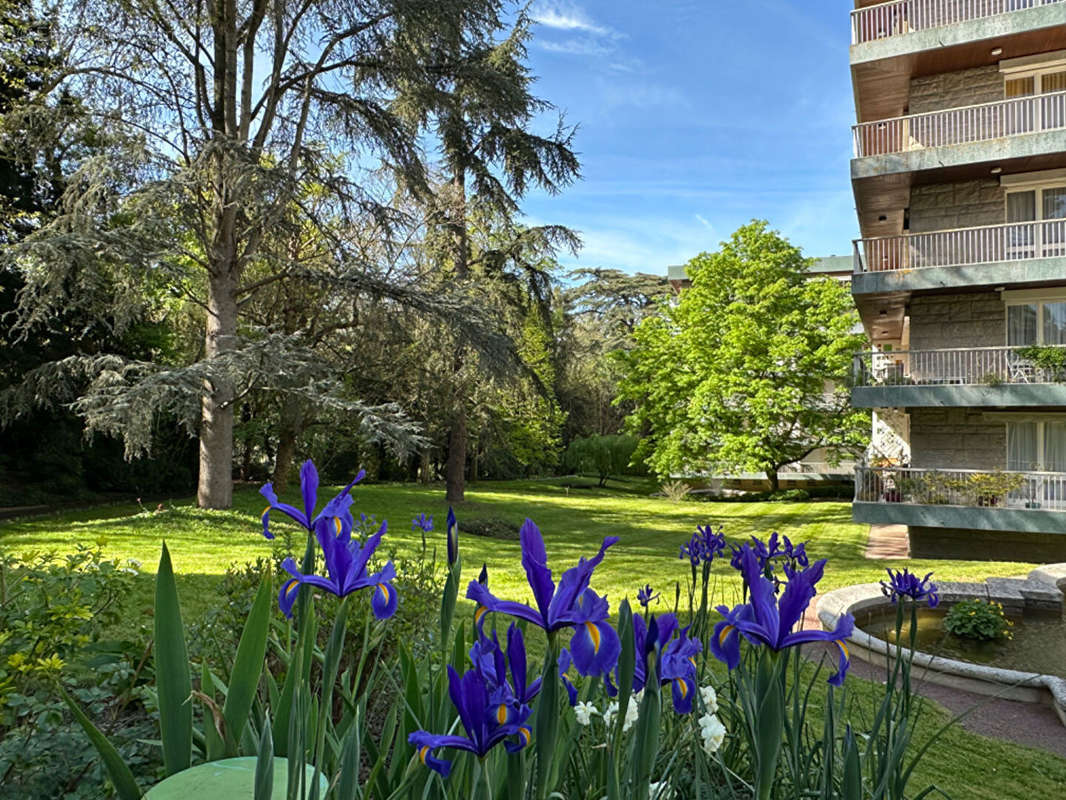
607 456
53 613
675 491
978 619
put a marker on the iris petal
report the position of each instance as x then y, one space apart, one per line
595 648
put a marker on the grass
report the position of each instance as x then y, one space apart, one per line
574 520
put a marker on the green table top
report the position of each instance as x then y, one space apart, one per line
228 779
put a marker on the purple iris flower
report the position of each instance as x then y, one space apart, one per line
422 523
595 646
486 713
346 566
774 548
489 658
907 584
768 619
453 537
337 509
646 596
675 658
705 545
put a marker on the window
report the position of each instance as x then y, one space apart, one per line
1036 446
1037 204
1046 79
1036 322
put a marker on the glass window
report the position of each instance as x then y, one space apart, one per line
1054 203
1054 447
1054 323
1020 87
1021 446
1021 325
1021 206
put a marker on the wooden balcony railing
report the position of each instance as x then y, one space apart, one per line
900 17
1015 241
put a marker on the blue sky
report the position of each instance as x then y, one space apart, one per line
696 116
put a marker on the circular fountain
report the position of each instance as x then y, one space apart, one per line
1039 594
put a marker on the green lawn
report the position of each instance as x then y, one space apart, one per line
574 520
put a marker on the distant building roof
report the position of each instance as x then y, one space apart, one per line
837 266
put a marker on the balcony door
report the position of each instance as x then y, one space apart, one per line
1045 208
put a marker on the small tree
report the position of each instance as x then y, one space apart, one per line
604 455
747 370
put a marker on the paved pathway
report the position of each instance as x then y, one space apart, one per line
887 541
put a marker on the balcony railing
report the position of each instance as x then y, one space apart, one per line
951 126
962 366
961 487
1015 241
901 17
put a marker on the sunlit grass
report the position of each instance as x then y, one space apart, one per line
574 521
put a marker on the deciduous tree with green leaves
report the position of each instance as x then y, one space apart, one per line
747 370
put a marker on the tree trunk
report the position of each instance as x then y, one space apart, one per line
455 473
215 487
771 475
424 467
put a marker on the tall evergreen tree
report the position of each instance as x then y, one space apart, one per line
222 114
482 117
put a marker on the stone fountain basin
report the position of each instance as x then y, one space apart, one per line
1041 590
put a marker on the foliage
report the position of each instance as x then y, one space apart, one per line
752 737
606 456
978 619
52 614
1050 359
675 491
749 369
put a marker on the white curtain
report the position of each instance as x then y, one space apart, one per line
1055 446
1021 325
1021 446
1054 323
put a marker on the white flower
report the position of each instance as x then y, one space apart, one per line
712 731
583 713
710 698
609 712
632 713
659 791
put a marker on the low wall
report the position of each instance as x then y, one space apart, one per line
1042 590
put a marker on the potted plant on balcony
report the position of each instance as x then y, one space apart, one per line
1050 360
991 489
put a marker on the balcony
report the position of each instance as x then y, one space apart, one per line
962 498
901 27
960 377
1022 127
1017 252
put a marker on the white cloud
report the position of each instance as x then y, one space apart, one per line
705 223
568 17
576 47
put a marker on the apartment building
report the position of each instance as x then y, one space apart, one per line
959 176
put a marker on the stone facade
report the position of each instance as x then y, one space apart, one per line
942 321
986 545
966 87
956 438
963 204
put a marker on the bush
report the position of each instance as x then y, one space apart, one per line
978 619
606 456
675 491
53 613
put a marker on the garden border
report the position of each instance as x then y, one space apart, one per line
1041 589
